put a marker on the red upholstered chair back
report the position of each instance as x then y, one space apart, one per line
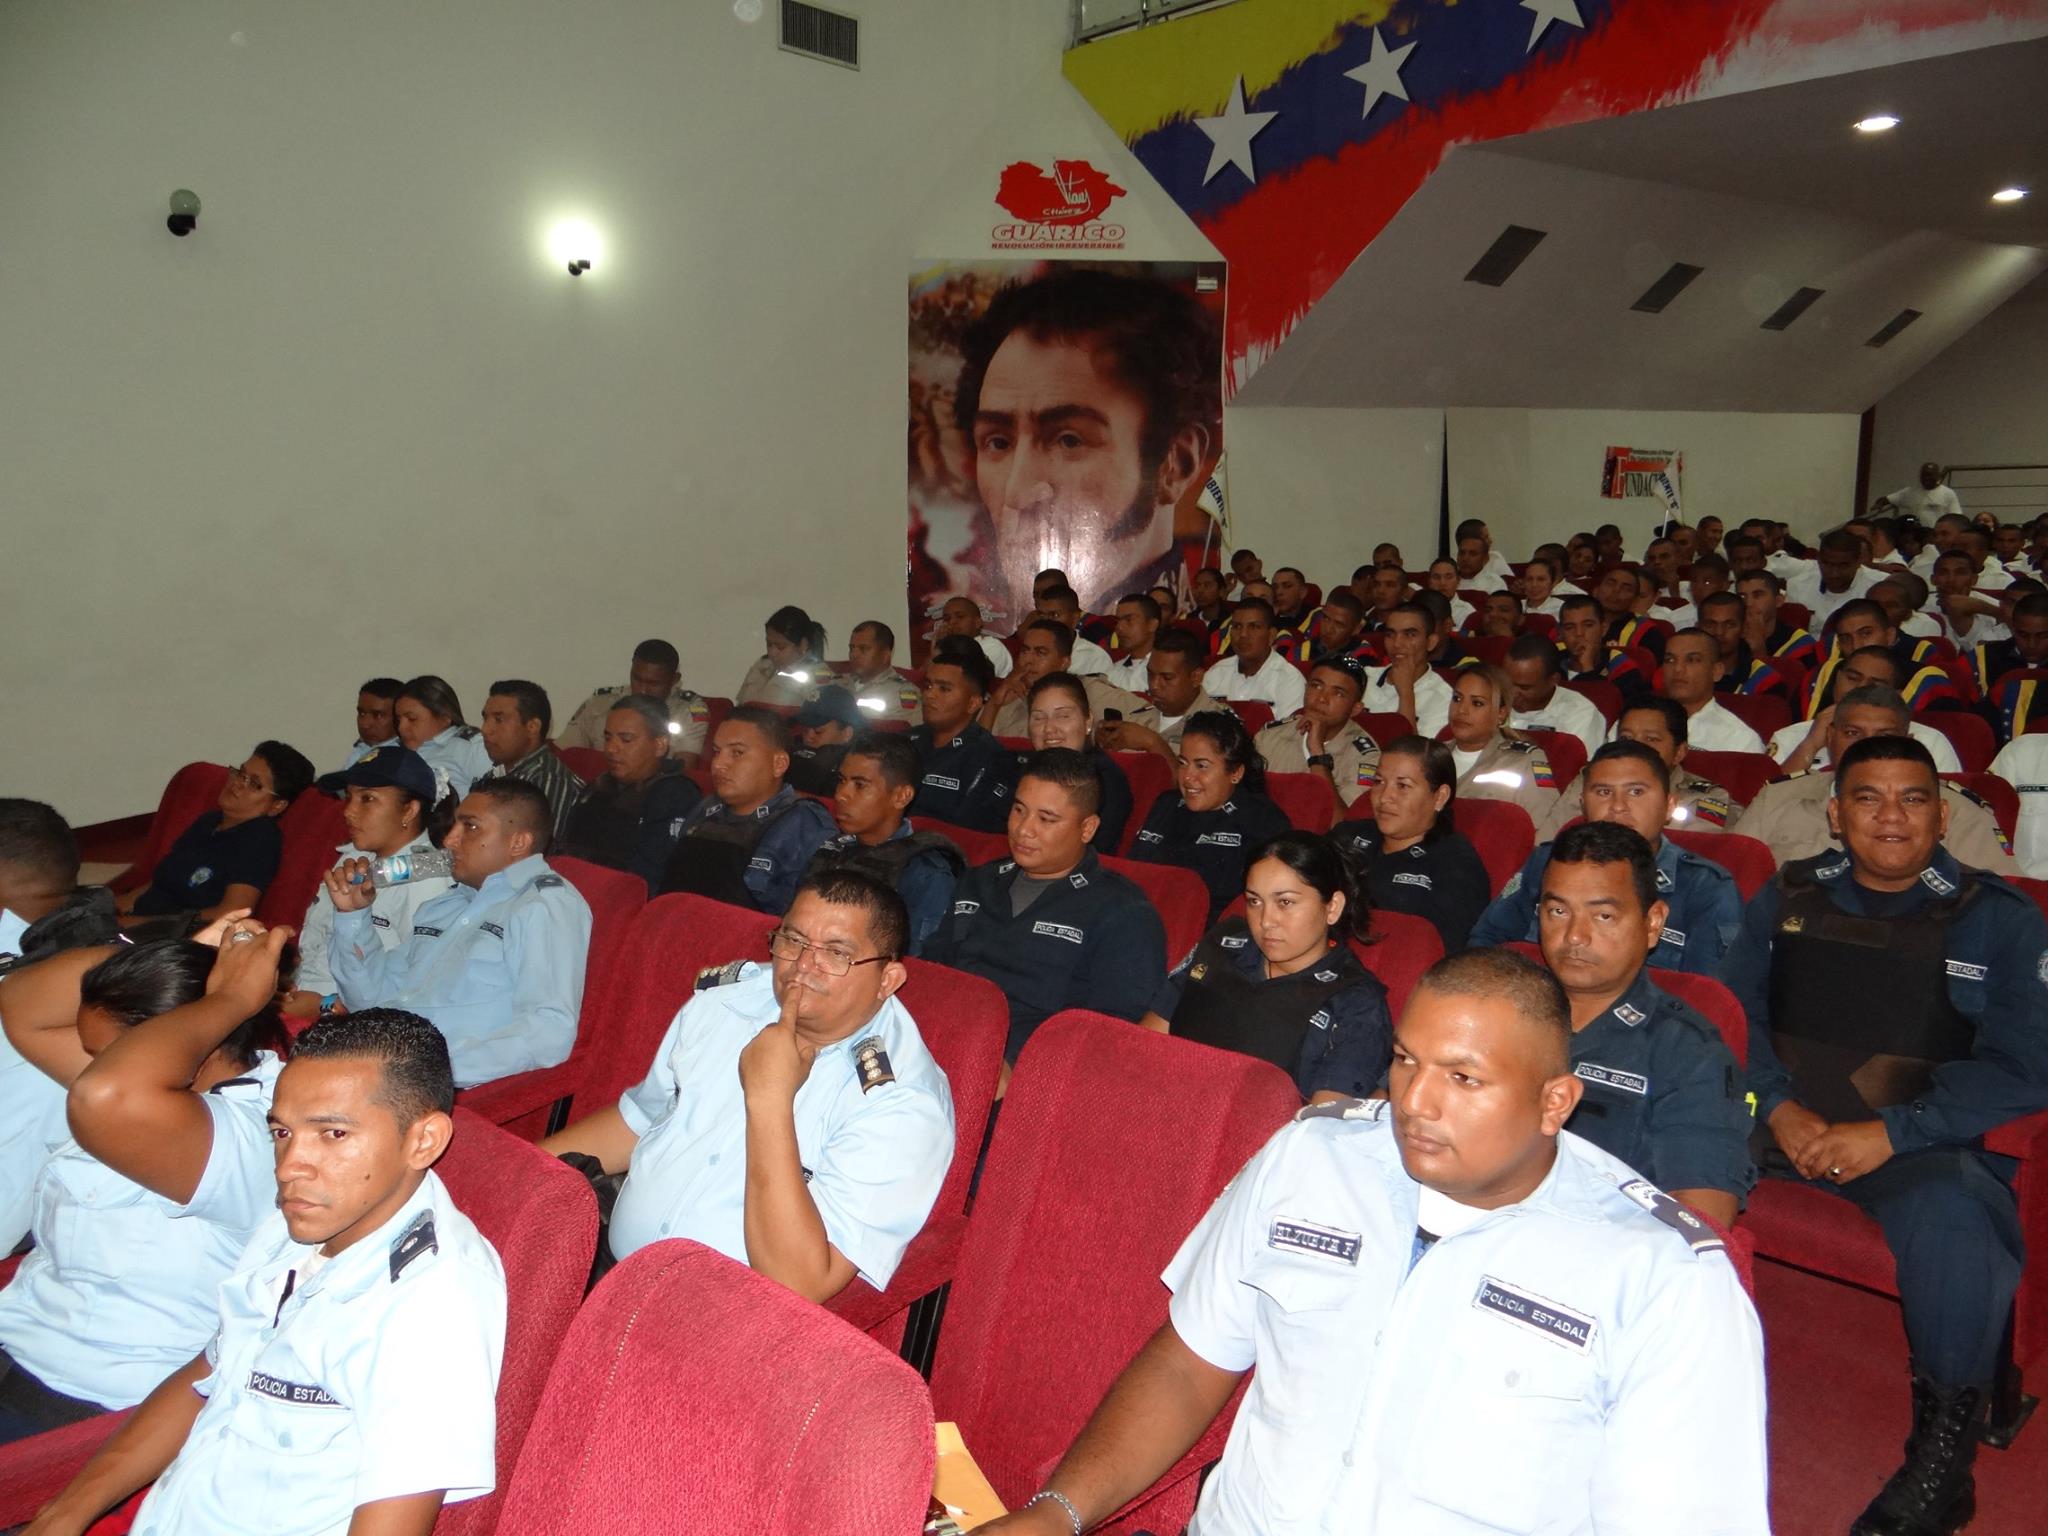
1748 860
1742 774
1177 895
1492 649
1305 799
1255 713
692 1394
976 847
193 790
670 942
1995 792
1764 713
1112 1142
542 1218
1403 947
585 762
1604 696
2038 889
1150 776
715 711
1795 616
1383 726
1501 833
1967 733
1565 753
1712 1001
313 828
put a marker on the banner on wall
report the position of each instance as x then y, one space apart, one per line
1645 474
1059 209
1063 414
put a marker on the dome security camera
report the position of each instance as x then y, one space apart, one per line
184 213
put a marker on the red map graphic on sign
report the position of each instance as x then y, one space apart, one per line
1074 193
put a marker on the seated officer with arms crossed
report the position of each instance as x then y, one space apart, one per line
1895 1002
1464 1317
352 1384
963 771
747 842
877 778
1662 1092
1627 782
1049 925
656 674
497 962
792 1118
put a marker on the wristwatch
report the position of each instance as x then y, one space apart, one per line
1321 760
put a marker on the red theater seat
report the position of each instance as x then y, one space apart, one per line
1502 834
976 847
1742 774
1604 695
692 1394
1995 792
715 711
1403 946
585 762
192 790
2038 889
1764 713
1112 1143
1967 733
1748 860
1565 753
313 828
1255 713
1383 726
1150 777
1713 1001
1179 897
1491 649
1305 799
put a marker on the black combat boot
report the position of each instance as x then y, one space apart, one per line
1933 1494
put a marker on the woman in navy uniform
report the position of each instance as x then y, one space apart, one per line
1061 716
1411 857
1218 813
1280 983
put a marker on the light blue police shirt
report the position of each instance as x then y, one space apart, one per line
873 1161
1577 1362
458 751
32 1126
498 969
119 1290
374 1377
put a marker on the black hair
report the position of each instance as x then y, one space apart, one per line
1536 996
1777 582
1344 667
1578 602
1154 339
653 713
1892 659
1062 636
146 981
1709 562
1439 771
1676 721
885 637
1363 572
1884 749
793 624
438 697
1259 603
1145 603
1609 842
522 803
1060 592
1247 553
1053 571
773 727
1862 608
1721 598
1070 770
1345 598
892 753
34 838
1421 610
1471 528
660 652
386 688
1295 570
531 699
1192 649
1537 648
1233 744
1316 861
888 919
2033 606
1064 682
970 658
415 1076
288 766
1633 752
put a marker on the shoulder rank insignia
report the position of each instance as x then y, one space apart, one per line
549 883
871 1062
416 1239
467 733
1345 1109
1698 1235
719 975
1200 970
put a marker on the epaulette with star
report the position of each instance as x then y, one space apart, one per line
719 975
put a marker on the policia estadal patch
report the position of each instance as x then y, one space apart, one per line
1561 1325
872 1063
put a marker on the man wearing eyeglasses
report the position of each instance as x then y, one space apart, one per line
792 1117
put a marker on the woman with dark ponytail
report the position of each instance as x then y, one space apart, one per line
792 663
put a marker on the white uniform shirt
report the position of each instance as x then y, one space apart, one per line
1460 611
1497 575
374 1378
1278 682
998 654
1715 728
1925 504
1785 741
1981 630
1089 659
1432 701
32 1126
873 1160
1131 674
2023 763
1568 711
119 1290
390 917
1565 1365
1822 603
1921 626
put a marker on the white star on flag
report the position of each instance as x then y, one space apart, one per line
1232 135
1381 74
1547 11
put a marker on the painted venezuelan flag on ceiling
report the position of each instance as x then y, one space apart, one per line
1292 131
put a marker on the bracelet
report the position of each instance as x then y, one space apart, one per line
1063 1501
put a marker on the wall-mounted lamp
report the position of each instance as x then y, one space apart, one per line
576 245
184 213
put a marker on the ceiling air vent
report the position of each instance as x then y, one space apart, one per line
820 34
1897 323
1666 288
1505 255
1800 302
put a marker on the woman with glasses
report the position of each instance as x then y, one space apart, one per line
1061 716
226 859
1322 738
1219 811
1410 857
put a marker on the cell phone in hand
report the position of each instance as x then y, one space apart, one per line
1112 714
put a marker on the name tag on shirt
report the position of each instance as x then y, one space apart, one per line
290 1391
1059 931
1234 941
1673 936
1627 1082
1424 881
964 908
1222 839
1308 1237
1962 970
420 932
940 781
1561 1325
492 929
764 865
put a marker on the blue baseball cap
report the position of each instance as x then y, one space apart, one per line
385 768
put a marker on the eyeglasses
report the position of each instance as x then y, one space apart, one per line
244 779
785 945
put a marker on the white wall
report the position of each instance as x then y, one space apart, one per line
1534 476
361 423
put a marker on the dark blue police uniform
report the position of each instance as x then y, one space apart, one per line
964 780
628 826
1088 940
1923 1009
1113 815
1214 844
1705 909
1441 879
756 860
198 868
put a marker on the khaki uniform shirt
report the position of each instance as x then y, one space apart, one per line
1792 817
1170 729
1014 718
1356 756
688 716
1515 771
1697 805
766 683
890 696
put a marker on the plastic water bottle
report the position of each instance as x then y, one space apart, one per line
405 867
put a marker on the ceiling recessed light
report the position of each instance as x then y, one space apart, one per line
1882 122
2008 194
